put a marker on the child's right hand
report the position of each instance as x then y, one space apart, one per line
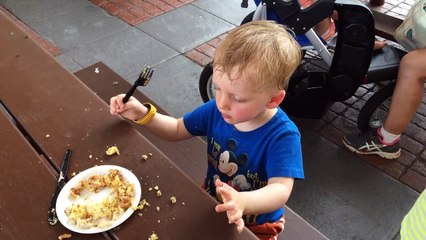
132 110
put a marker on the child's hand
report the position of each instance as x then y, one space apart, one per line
132 110
233 204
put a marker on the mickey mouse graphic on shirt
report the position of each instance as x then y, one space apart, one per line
229 164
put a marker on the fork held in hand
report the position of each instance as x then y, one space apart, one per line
142 80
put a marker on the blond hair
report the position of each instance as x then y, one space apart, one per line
264 52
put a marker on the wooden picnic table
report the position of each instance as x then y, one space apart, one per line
50 110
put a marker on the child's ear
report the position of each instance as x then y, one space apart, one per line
276 99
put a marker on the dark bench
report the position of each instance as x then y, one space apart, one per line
385 25
106 83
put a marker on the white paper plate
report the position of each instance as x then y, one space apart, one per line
65 201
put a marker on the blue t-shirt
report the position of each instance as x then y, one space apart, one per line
246 160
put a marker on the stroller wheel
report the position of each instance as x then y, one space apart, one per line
206 84
248 18
375 110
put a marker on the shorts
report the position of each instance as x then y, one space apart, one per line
268 231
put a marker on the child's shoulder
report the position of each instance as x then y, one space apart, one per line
283 125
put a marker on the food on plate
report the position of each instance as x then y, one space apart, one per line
101 213
142 204
112 150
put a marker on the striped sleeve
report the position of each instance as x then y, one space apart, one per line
413 225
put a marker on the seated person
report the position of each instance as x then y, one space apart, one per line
327 27
253 148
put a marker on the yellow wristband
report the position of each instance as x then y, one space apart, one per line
149 116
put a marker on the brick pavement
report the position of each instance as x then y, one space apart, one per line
136 11
339 119
394 8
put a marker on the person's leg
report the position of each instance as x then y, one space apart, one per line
379 45
406 99
408 93
326 28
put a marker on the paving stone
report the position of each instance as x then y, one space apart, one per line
149 8
367 95
214 42
361 92
391 167
416 133
207 50
85 25
414 180
98 2
41 41
329 116
161 5
406 158
41 10
410 144
198 57
338 107
133 19
351 100
423 155
111 8
174 3
351 114
203 27
333 134
345 125
128 51
230 11
136 11
419 167
422 109
419 120
358 105
68 63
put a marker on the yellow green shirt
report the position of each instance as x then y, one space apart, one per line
413 225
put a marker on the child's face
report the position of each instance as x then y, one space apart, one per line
236 99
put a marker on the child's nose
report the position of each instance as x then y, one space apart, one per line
222 101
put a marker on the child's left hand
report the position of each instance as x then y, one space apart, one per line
233 204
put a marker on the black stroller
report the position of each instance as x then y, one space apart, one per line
329 72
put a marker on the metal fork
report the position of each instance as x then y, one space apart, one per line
143 79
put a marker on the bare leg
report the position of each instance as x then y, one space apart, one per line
379 45
408 93
323 26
